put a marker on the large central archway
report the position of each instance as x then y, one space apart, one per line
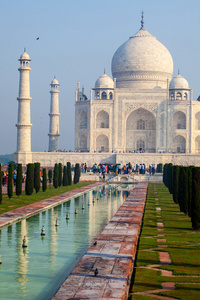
141 131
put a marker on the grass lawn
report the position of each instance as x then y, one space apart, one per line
15 202
183 246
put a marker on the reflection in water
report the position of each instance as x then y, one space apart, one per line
37 271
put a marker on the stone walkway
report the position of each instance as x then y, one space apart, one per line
113 255
24 212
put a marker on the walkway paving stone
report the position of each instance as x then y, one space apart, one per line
113 255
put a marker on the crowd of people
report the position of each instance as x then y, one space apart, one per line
5 178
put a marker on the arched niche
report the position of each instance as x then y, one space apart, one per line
104 95
197 121
178 96
141 131
102 119
102 143
179 144
83 142
179 120
83 120
197 144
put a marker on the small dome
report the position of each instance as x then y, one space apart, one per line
54 81
25 55
179 82
103 82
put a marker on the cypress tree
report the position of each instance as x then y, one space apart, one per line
59 174
76 173
189 189
44 180
176 183
19 180
55 176
50 175
65 176
180 188
37 177
164 174
0 185
69 174
195 203
185 190
170 177
29 186
10 181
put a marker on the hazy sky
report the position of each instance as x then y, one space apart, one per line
77 41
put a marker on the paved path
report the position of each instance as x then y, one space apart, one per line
113 255
24 212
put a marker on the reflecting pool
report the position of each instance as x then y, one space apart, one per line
36 272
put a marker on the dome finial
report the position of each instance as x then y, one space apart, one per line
178 71
24 49
104 70
142 20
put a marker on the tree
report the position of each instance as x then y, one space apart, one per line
180 188
185 190
176 183
37 177
10 181
19 180
55 176
76 173
50 175
59 174
195 203
69 174
44 179
65 182
0 185
29 179
189 189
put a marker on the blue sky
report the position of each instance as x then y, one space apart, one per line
77 41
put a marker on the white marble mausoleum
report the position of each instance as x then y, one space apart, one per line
141 114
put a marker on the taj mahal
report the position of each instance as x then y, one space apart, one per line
141 114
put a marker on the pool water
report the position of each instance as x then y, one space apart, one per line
36 272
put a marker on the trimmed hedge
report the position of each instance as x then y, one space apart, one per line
65 177
37 177
50 176
69 174
76 173
44 179
55 176
195 203
19 180
10 181
29 186
59 174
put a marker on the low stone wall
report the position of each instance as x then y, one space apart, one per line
113 255
48 159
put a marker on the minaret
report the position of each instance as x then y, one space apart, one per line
24 117
54 117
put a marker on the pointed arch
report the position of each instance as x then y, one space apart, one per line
102 119
102 143
141 131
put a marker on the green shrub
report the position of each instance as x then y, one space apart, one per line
29 186
44 179
65 181
50 176
10 181
55 176
69 174
76 173
159 168
175 183
59 174
195 203
37 177
19 180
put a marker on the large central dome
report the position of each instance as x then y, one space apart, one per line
142 62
